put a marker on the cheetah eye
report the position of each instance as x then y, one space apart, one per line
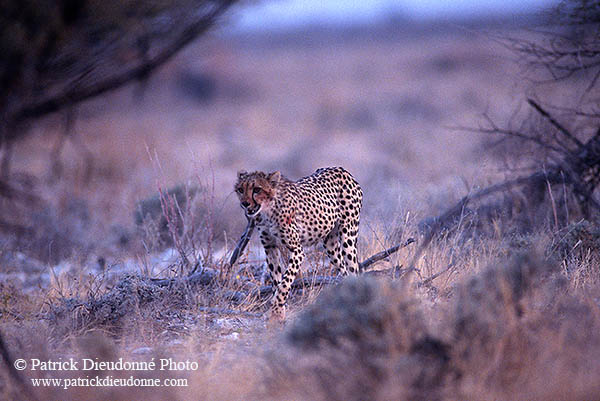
257 190
239 190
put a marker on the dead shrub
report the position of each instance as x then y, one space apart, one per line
186 217
578 239
133 296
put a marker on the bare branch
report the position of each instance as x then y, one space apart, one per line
500 131
76 94
560 128
438 223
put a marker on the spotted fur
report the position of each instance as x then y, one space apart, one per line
324 206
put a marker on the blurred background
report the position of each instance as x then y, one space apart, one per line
382 88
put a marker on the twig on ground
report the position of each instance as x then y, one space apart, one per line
384 254
321 281
429 279
241 245
395 272
362 266
304 282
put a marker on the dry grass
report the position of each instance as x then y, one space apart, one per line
521 328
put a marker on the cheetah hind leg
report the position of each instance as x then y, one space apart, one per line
332 247
348 236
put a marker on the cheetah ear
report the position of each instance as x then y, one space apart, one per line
242 174
274 177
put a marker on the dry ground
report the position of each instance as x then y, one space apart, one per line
514 315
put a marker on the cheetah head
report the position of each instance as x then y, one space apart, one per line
256 190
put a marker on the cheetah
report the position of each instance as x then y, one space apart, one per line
324 206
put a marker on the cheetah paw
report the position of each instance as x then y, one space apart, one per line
277 316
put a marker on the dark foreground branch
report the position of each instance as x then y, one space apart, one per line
75 93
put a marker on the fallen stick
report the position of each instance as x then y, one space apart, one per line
321 281
395 272
242 242
429 279
383 254
241 245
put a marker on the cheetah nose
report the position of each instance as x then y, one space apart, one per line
245 204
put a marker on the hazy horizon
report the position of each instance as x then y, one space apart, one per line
276 14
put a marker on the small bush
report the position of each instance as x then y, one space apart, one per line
363 334
501 336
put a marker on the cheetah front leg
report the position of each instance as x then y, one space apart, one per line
274 269
283 288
